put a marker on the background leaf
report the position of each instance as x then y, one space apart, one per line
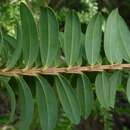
12 97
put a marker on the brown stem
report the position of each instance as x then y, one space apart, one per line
55 71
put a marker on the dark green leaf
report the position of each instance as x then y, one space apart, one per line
17 52
11 40
30 36
49 39
47 104
27 106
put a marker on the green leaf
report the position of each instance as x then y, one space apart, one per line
84 95
128 89
58 60
81 53
68 99
106 88
112 40
7 46
12 98
115 81
17 52
27 106
124 37
49 39
82 50
72 38
30 36
38 62
47 104
93 39
61 39
13 101
102 89
10 40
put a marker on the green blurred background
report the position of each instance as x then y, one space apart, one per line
9 10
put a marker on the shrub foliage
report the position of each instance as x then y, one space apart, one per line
40 46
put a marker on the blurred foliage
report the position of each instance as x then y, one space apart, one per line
91 8
122 5
63 122
9 13
86 9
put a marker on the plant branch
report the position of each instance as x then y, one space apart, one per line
55 71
